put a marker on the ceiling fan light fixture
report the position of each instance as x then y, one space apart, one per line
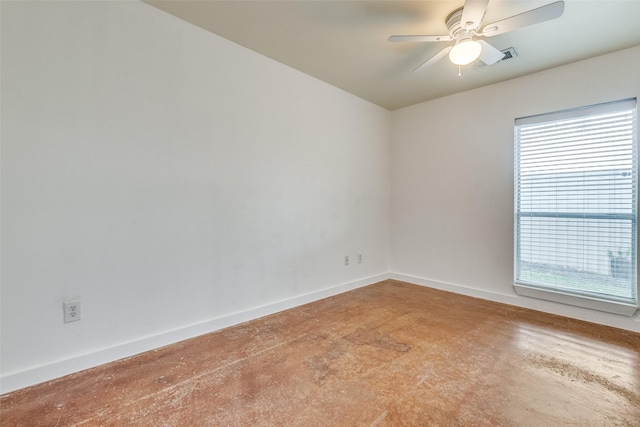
465 52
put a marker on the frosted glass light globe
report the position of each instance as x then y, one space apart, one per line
465 52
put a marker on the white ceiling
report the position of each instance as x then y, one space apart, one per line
344 43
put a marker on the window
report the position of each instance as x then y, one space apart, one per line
575 206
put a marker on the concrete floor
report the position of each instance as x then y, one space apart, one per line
390 354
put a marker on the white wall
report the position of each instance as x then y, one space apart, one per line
452 178
172 180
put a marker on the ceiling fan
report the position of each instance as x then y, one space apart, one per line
464 28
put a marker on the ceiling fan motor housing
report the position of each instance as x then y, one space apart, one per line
455 28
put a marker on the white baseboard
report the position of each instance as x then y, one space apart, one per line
79 363
579 313
50 371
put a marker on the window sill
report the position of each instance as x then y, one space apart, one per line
621 308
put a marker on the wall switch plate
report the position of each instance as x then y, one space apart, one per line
360 258
72 311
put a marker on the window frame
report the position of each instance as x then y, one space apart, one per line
627 308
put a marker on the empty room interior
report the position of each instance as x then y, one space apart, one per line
308 213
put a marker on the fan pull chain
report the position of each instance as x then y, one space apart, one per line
459 72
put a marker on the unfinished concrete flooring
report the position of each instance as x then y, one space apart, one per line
390 354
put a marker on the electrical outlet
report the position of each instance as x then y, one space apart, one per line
359 258
346 260
72 311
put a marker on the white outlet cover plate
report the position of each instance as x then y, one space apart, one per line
72 311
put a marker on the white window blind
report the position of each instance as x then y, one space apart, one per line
575 202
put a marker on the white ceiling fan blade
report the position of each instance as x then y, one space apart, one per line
435 58
420 38
472 13
534 16
489 54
